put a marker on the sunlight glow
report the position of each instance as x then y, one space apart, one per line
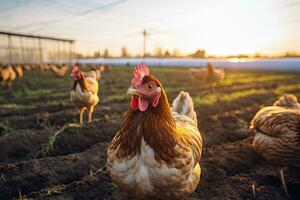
237 60
221 27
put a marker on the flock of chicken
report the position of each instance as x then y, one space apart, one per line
9 73
157 151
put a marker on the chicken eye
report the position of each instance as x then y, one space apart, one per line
150 86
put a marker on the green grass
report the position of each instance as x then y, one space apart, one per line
255 77
38 87
213 98
2 180
6 128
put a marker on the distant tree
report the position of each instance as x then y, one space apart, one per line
291 54
200 53
257 55
106 53
78 56
124 52
97 54
167 53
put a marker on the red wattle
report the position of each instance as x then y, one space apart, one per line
134 102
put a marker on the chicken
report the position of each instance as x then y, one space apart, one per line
107 68
47 67
27 67
101 68
42 67
8 75
157 150
94 71
84 93
13 74
60 71
277 134
209 75
18 69
104 68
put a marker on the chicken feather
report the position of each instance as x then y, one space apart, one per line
277 131
156 153
84 93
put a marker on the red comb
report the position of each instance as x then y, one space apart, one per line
138 73
75 69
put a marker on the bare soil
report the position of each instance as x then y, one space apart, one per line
45 154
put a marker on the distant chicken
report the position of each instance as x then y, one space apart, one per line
18 69
209 75
60 71
277 134
47 67
27 67
94 71
84 93
157 150
8 75
101 68
107 68
42 67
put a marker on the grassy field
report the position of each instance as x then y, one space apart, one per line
46 155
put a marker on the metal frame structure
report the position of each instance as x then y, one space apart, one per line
35 49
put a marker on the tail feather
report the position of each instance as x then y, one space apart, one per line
183 105
288 101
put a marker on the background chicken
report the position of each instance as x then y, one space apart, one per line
277 133
84 93
18 69
60 71
94 72
8 75
156 152
209 75
27 67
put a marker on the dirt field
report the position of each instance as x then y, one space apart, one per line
46 155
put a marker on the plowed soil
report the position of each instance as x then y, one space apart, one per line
45 154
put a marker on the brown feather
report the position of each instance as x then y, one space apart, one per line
155 125
82 82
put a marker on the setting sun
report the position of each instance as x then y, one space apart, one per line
221 27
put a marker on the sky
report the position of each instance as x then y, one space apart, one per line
221 27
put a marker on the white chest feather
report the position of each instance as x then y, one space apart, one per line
142 171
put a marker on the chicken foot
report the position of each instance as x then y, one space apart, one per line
283 183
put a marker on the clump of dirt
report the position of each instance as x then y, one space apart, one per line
96 186
33 175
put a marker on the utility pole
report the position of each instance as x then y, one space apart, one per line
40 50
145 34
9 49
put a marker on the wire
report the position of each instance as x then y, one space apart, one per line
79 14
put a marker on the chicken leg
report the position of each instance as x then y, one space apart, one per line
81 115
213 87
283 183
91 110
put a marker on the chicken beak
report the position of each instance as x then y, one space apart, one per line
133 91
